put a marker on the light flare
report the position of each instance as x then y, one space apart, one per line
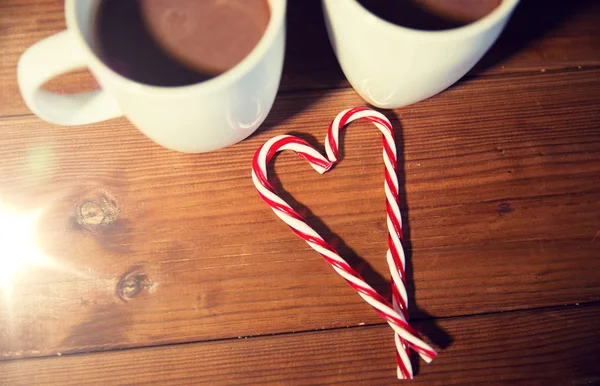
18 248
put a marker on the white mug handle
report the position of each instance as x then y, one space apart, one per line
48 58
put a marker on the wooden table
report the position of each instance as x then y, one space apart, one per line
168 268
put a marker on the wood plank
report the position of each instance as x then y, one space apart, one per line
564 35
501 180
526 347
545 35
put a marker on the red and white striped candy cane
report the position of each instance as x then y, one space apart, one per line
395 254
396 315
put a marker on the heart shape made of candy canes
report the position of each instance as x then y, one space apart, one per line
396 314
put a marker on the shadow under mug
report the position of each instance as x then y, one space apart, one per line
194 118
392 66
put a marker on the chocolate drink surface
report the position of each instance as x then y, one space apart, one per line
178 42
431 15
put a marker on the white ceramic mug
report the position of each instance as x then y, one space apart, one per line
392 66
195 118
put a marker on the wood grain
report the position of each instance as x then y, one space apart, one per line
564 35
172 257
502 188
527 347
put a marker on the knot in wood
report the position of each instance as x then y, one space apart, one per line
132 284
97 213
129 287
91 213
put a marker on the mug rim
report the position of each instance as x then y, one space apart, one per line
277 8
486 22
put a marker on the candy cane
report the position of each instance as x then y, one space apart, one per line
396 315
395 254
